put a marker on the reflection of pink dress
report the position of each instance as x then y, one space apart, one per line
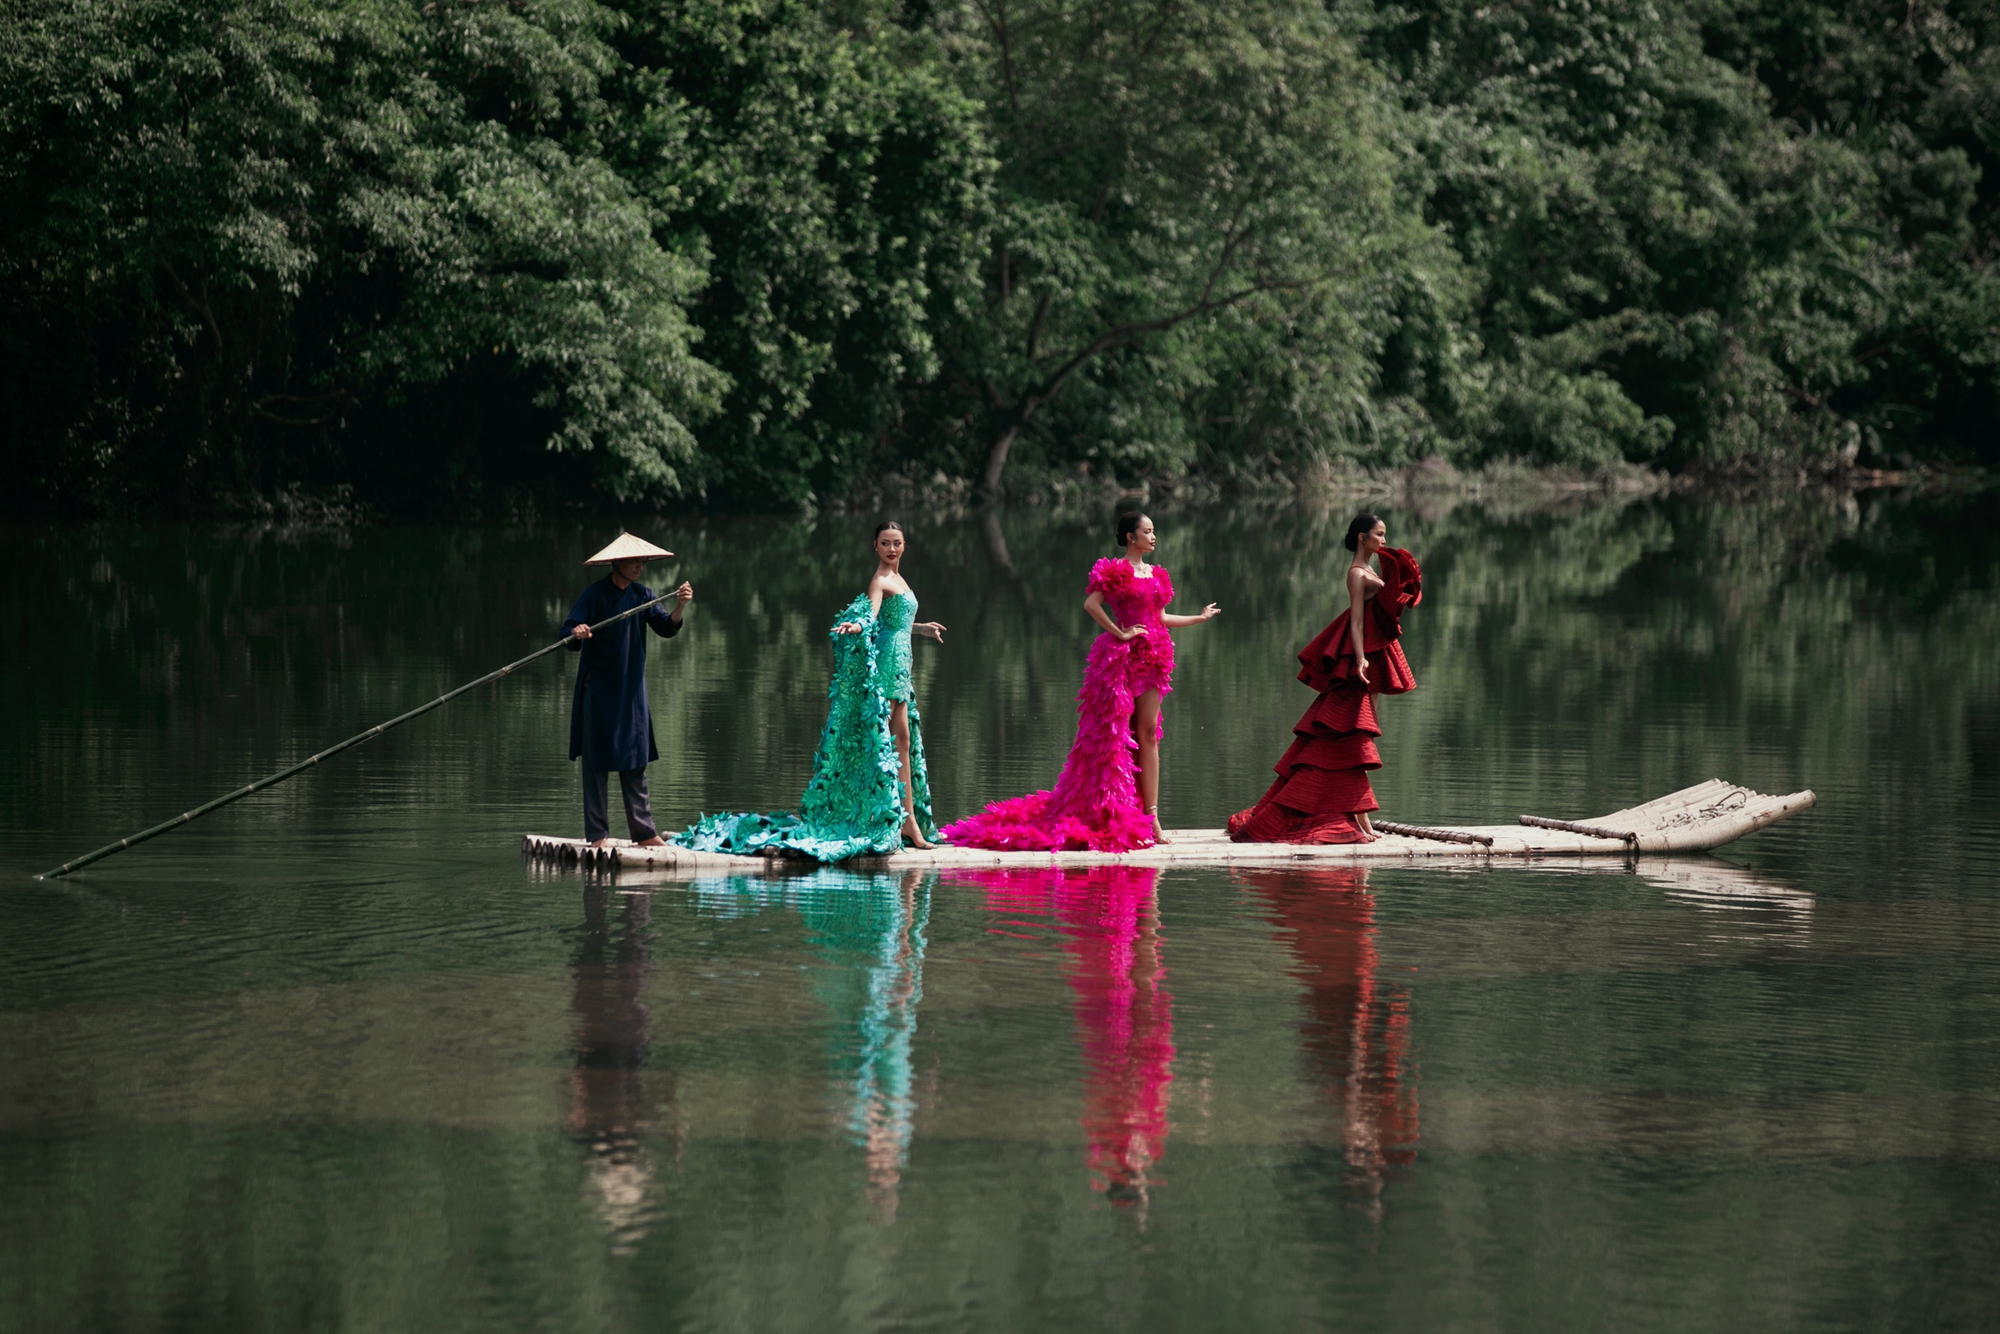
1095 803
1109 919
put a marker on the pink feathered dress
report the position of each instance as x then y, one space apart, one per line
1095 804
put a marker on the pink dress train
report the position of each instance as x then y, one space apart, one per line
1095 803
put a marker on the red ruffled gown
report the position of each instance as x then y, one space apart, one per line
1095 803
1323 777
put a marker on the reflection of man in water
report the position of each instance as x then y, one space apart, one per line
1357 1034
608 1099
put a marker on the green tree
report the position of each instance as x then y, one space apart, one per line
837 180
1707 234
1912 90
226 228
754 251
1182 190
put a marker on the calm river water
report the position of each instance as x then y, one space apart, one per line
336 1058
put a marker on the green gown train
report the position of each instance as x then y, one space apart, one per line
853 804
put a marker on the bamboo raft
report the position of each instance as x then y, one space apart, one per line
1694 819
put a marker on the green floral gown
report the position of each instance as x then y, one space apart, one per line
853 804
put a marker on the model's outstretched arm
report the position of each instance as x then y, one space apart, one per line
874 610
1208 613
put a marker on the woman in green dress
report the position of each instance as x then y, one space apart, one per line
869 791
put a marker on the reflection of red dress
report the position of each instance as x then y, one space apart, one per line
1109 919
1358 1032
1323 776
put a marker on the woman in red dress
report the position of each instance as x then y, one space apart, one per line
1322 794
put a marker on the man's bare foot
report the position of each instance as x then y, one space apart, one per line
604 842
1368 834
914 835
654 842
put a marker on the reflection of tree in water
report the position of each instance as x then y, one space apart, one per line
1356 1032
1002 562
871 930
1110 924
609 1101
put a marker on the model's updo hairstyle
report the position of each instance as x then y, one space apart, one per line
1362 523
885 526
1128 524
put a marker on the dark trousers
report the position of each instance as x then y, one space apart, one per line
638 805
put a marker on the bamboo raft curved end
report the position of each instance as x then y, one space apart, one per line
1694 819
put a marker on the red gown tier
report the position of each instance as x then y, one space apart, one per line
1323 775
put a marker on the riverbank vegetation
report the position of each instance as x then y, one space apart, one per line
452 256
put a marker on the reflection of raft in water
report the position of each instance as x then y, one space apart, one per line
1695 819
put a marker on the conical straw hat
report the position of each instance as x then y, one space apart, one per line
627 547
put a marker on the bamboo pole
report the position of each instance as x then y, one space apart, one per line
1441 835
311 760
1592 830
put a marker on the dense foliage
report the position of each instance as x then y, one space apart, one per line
459 253
1727 233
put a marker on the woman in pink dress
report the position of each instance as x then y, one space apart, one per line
1108 797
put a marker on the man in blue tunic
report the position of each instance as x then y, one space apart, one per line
610 723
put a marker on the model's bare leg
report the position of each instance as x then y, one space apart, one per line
1146 728
899 728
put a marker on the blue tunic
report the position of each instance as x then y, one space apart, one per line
610 724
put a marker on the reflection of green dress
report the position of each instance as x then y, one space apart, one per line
870 931
853 803
874 940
